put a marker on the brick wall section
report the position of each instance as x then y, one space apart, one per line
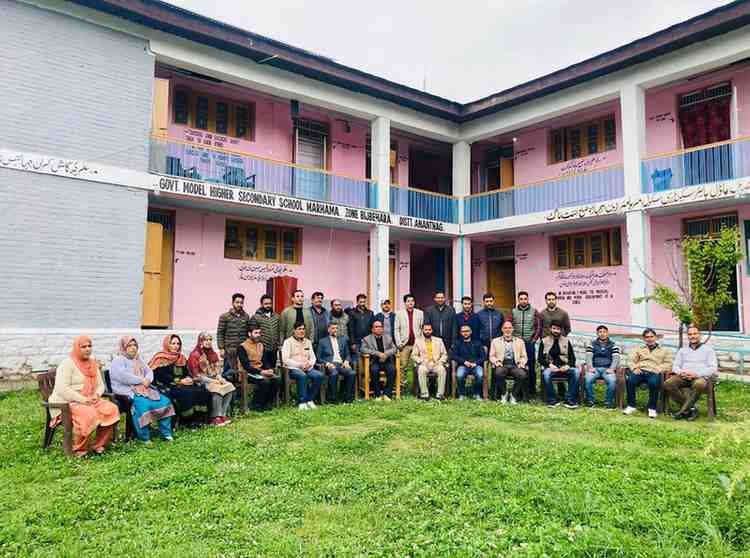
73 89
71 251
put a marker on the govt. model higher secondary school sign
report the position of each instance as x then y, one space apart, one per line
244 196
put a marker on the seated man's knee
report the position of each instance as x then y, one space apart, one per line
700 384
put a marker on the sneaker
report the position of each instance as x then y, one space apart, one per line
692 414
512 400
215 422
147 442
440 397
553 405
385 398
227 420
678 416
590 404
571 405
629 410
504 399
478 397
303 407
652 413
461 397
168 439
311 405
424 397
221 421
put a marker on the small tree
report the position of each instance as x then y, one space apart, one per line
701 270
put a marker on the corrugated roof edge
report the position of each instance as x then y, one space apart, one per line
178 21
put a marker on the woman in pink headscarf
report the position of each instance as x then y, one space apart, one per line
79 383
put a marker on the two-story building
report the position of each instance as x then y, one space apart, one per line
154 161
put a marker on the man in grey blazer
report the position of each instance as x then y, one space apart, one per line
382 353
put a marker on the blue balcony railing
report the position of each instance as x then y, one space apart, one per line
263 175
711 163
423 205
567 191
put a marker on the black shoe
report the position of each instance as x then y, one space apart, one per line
590 404
570 405
692 414
424 397
553 404
678 416
440 397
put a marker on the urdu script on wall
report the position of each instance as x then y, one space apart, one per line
645 201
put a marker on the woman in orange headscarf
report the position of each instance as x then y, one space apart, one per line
79 383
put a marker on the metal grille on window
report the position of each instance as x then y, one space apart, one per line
242 122
181 107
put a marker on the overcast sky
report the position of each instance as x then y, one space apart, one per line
462 50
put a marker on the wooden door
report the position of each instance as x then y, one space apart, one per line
506 173
157 276
501 282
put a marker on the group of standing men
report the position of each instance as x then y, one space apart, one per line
430 339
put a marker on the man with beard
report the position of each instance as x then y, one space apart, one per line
231 331
553 313
320 318
268 321
259 362
442 318
490 321
430 356
293 315
339 316
558 360
360 325
468 317
527 325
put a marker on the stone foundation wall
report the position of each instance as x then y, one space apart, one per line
22 354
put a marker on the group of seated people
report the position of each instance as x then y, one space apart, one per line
326 346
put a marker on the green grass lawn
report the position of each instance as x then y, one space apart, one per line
402 479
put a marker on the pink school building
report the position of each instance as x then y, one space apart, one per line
231 160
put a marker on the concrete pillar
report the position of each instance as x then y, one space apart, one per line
380 137
638 233
461 251
461 174
633 109
378 265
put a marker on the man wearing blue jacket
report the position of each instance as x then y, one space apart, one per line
469 356
333 353
490 321
468 317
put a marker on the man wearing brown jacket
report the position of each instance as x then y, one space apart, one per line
232 330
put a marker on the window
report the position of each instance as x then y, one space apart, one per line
311 143
592 249
205 112
222 118
201 113
710 227
181 111
704 116
581 140
253 241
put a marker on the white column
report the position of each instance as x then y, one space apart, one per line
633 112
380 137
461 174
638 233
461 253
378 265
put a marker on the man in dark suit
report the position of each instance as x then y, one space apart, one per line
334 355
382 351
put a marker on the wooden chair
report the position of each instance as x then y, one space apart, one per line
365 360
46 382
454 381
619 386
710 397
431 380
124 404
